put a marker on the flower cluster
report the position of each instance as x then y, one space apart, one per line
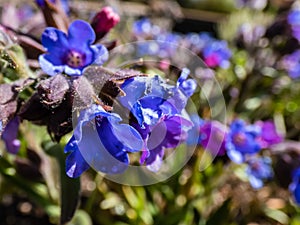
215 53
242 142
156 123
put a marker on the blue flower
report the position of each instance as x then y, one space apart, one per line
157 109
100 141
149 97
197 42
291 63
295 186
144 28
42 3
10 135
64 3
217 53
72 53
242 140
258 170
294 20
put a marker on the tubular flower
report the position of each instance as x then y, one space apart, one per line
242 140
100 141
73 52
295 186
157 113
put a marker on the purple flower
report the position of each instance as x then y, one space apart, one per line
291 63
242 140
294 20
258 170
295 186
269 135
10 136
72 53
100 141
168 132
104 20
213 135
157 107
216 54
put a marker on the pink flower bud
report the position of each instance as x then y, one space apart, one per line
104 21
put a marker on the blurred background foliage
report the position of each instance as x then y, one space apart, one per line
35 190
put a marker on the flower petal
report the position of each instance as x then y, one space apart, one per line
80 33
75 164
101 150
10 135
127 135
48 67
100 54
56 43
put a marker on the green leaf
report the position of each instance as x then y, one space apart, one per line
81 218
36 191
70 188
277 215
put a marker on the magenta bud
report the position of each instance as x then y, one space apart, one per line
104 21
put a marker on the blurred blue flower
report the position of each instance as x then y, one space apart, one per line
10 136
142 27
295 186
294 20
64 3
242 140
258 170
168 44
157 107
42 3
100 141
216 54
196 42
72 53
291 63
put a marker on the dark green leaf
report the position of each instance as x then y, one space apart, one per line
70 188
